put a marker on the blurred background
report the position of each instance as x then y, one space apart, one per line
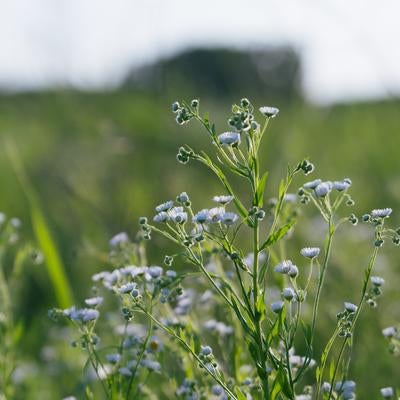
85 95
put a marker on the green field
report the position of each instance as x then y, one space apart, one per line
98 161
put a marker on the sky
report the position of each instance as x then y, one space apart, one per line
349 48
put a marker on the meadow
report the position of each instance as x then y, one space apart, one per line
96 162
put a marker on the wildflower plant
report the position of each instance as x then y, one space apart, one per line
15 255
229 261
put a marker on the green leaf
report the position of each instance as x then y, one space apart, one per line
53 261
260 190
240 395
278 234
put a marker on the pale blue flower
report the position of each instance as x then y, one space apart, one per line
377 281
119 239
84 315
381 212
288 293
215 214
350 307
125 372
113 358
387 392
205 350
310 252
229 138
155 271
323 189
127 287
293 271
270 112
313 184
165 206
223 199
94 301
229 218
183 197
389 332
151 365
341 186
177 215
284 267
277 306
201 217
161 217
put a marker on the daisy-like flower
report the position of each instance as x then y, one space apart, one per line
177 215
84 315
155 271
113 358
202 216
229 218
288 293
118 239
387 392
341 186
183 197
310 252
293 271
323 189
270 112
223 199
284 267
165 206
161 217
277 306
350 307
389 332
124 371
127 287
312 184
229 138
215 214
381 212
205 350
377 281
94 301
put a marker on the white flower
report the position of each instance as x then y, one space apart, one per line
284 267
223 199
290 198
381 212
310 252
387 392
350 307
270 112
118 239
323 189
229 218
389 332
326 387
229 138
94 301
377 280
277 306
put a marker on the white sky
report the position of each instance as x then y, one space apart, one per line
349 48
